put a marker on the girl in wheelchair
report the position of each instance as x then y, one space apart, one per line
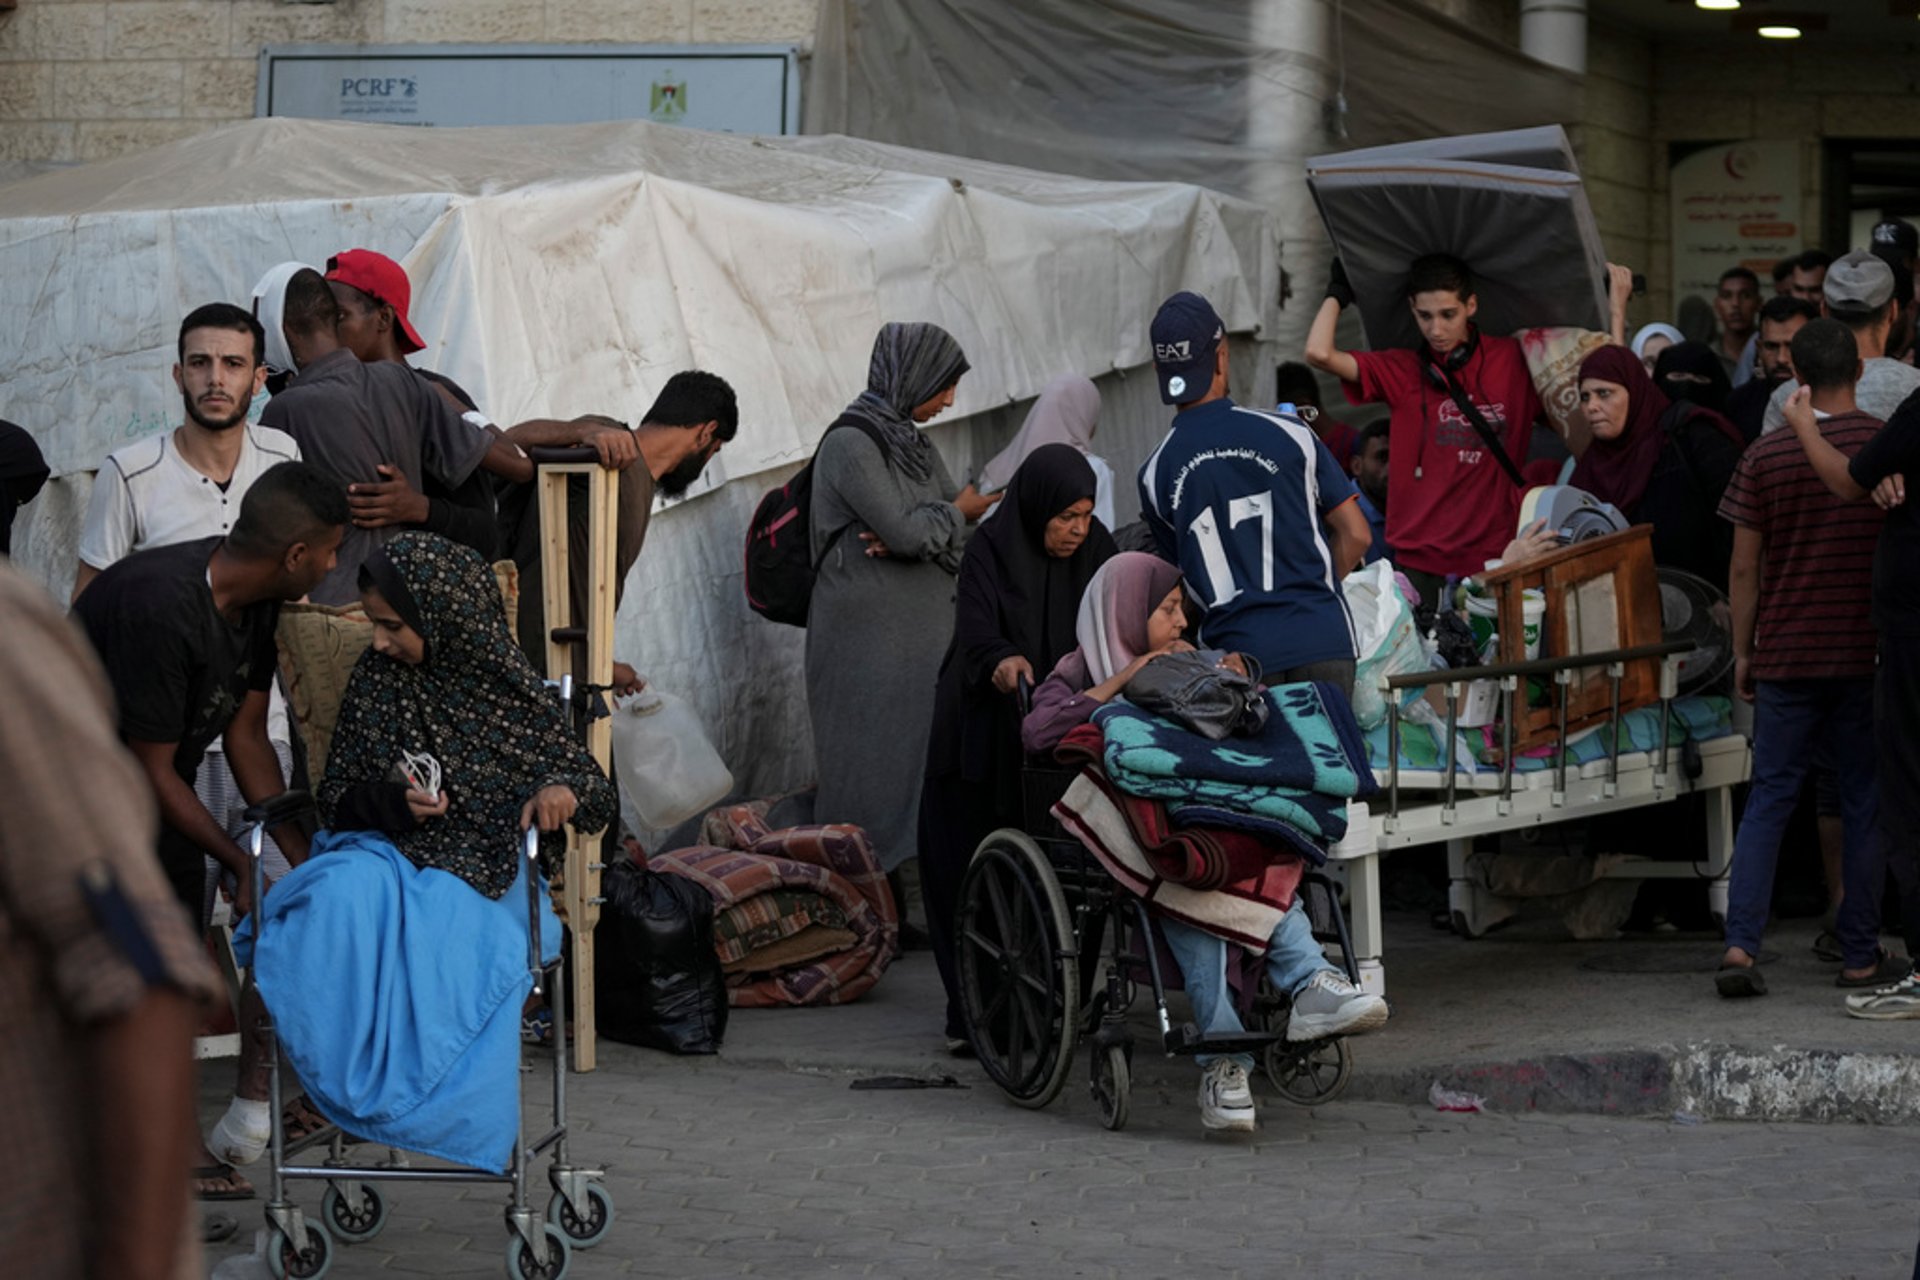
1132 612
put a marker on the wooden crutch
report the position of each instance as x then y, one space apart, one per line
578 897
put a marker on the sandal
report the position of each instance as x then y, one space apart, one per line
217 1228
1737 981
236 1188
1887 971
1826 946
299 1121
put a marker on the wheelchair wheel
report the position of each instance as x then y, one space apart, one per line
1019 972
357 1220
520 1263
309 1261
1309 1074
1112 1084
582 1233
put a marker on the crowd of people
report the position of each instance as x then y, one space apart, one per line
977 622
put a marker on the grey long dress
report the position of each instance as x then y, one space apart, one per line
876 630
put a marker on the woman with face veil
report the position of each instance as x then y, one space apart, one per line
888 528
1021 580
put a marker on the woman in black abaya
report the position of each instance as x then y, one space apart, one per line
1019 591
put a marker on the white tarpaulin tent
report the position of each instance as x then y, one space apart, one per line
570 269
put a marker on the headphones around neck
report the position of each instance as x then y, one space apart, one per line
1440 371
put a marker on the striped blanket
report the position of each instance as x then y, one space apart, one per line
774 953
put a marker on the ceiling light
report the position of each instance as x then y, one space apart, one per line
1780 32
1716 4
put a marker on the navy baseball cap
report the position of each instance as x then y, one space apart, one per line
1186 332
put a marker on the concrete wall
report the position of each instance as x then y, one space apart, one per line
85 80
1610 140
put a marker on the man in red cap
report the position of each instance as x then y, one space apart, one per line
374 294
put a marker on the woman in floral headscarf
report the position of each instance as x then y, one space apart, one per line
445 679
888 528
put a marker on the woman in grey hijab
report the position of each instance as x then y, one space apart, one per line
888 528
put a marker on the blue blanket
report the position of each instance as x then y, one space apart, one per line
1301 769
396 994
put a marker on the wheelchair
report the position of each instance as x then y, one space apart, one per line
1052 950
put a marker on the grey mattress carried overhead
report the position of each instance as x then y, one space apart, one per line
1511 205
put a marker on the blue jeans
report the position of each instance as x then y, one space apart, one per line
1293 956
1797 722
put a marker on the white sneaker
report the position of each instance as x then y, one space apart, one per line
1901 1000
1225 1100
1327 1004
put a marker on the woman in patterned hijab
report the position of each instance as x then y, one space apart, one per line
444 678
912 366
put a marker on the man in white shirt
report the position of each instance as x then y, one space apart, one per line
187 483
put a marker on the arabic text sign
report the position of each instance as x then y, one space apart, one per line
729 88
1735 204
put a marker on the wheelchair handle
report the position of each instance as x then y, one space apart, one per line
276 810
1023 694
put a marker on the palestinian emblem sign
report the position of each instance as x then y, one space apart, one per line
668 102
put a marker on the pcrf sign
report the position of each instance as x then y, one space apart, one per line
730 88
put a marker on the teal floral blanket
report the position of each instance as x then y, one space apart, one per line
1301 769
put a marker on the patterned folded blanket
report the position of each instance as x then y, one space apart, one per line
1301 769
1244 911
1425 747
756 883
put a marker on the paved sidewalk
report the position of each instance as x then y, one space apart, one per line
721 1170
1525 1016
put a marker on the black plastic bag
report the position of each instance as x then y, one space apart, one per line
657 979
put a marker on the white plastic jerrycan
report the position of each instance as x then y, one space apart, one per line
666 766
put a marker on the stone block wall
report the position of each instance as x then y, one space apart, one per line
84 79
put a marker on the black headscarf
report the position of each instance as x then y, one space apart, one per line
1691 371
1012 599
22 472
911 364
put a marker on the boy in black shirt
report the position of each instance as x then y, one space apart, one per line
186 635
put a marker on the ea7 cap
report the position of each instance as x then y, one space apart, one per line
1860 281
1186 332
1900 234
383 280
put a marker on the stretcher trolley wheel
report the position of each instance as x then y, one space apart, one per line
1112 1084
1311 1073
1019 971
356 1218
520 1263
582 1233
309 1260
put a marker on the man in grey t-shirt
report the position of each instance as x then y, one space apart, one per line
1859 292
351 418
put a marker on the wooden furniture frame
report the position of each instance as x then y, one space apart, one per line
1601 595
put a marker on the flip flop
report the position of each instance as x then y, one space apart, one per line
1737 981
217 1228
1888 971
1826 946
238 1188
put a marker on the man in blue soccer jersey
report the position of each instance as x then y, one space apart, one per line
1236 498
